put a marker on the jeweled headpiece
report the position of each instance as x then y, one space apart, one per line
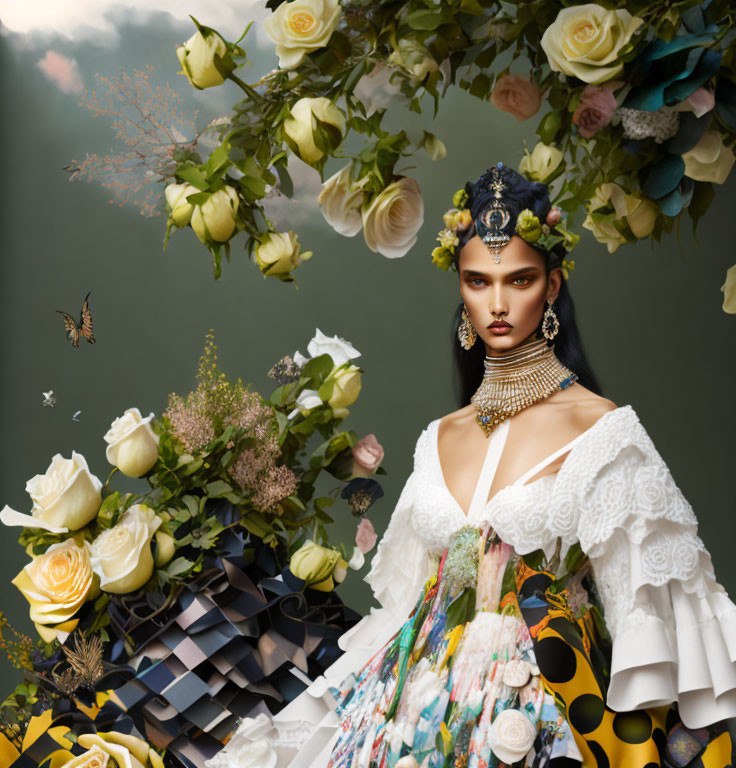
490 225
492 221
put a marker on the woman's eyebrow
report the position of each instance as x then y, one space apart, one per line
474 273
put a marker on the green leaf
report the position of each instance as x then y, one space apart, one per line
462 608
218 488
425 19
318 369
193 175
178 566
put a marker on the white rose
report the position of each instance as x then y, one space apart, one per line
176 201
381 88
197 58
340 201
585 41
307 399
215 219
729 291
640 213
393 218
279 252
511 735
709 160
336 347
300 27
306 116
132 444
251 746
543 161
121 556
67 496
300 359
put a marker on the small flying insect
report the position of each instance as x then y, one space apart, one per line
85 327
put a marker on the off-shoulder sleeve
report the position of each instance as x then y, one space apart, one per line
398 570
673 625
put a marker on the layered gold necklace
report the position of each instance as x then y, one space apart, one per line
517 380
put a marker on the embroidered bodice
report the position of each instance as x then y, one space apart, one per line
671 623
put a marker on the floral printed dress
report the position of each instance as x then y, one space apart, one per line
574 618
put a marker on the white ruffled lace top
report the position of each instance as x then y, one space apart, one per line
673 625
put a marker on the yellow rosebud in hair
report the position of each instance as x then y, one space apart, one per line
528 226
460 198
442 258
448 239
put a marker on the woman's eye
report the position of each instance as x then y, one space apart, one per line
475 280
524 280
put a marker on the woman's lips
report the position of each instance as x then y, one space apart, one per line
499 330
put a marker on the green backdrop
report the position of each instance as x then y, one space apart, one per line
650 317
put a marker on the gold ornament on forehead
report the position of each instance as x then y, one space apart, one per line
495 218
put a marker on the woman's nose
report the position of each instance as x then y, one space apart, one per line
498 302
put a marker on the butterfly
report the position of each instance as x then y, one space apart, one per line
85 327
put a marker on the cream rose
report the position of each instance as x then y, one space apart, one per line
315 564
347 383
197 59
340 201
729 291
67 496
604 231
121 556
709 160
511 735
307 115
393 218
92 758
126 750
56 584
414 57
176 201
541 163
585 41
517 95
367 456
300 27
132 444
279 252
640 214
215 220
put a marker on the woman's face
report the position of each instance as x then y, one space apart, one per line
512 291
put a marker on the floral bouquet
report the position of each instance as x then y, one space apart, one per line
172 612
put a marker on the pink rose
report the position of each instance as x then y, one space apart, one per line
365 536
597 105
554 217
367 456
701 101
517 95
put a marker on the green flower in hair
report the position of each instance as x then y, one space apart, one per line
528 226
460 198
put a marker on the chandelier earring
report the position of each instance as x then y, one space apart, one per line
550 324
466 333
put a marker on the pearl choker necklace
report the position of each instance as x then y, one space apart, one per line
517 380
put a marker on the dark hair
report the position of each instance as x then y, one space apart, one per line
518 194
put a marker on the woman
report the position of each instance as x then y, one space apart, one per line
545 598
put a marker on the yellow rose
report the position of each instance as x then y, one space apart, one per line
457 220
393 218
640 213
214 221
448 239
315 565
542 163
585 41
132 444
300 27
340 201
165 548
126 750
347 383
121 556
197 59
176 202
710 159
56 584
279 252
414 57
92 758
605 231
729 291
67 496
307 115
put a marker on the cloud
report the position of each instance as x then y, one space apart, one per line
96 20
63 71
288 212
